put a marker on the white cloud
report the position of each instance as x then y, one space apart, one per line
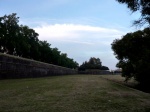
81 42
71 31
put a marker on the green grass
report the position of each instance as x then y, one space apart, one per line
120 79
74 93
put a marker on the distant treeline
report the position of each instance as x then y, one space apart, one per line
93 63
22 41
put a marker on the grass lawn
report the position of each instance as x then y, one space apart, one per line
119 79
72 93
131 83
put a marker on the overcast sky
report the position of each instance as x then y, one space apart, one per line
80 28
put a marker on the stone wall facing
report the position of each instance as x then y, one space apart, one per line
16 67
95 72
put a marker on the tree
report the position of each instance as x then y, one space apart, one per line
133 52
20 40
28 43
139 5
45 52
9 32
93 63
104 68
17 39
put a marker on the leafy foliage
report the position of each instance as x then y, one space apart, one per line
93 63
133 52
23 41
143 6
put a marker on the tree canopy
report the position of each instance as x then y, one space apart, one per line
93 63
139 5
133 53
22 41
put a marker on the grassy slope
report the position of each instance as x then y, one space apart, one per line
119 79
75 93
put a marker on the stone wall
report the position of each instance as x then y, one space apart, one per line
95 72
16 67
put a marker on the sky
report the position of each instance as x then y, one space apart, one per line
80 28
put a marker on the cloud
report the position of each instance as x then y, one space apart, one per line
81 42
72 31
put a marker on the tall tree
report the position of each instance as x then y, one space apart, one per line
45 52
133 52
23 41
139 5
9 32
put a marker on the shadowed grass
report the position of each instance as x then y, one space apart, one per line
130 83
74 93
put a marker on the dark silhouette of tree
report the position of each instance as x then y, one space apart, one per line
104 68
139 5
133 53
45 52
23 46
23 41
93 63
9 30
